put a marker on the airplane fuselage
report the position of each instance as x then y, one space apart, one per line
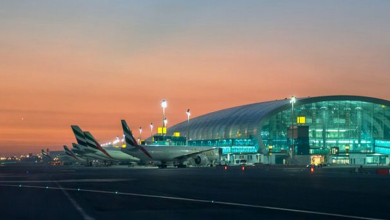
89 154
118 155
77 159
165 153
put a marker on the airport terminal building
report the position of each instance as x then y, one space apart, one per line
327 129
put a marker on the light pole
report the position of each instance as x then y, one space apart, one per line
165 122
188 124
292 101
151 130
117 140
140 133
164 105
269 154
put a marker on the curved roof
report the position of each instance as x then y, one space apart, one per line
244 121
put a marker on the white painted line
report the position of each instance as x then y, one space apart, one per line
203 201
10 176
67 181
75 204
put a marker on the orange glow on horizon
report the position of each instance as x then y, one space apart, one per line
62 65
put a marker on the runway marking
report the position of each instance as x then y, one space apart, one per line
198 200
67 181
75 204
1 176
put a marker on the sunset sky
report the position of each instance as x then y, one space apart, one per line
93 63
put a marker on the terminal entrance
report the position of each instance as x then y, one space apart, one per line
317 159
340 160
240 159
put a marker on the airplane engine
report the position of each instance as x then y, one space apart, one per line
201 160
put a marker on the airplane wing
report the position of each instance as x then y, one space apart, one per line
187 156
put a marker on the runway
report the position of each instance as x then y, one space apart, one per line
193 193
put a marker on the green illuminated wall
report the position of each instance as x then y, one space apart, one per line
332 124
237 145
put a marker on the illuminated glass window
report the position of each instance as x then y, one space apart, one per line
332 124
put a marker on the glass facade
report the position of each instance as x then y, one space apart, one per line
238 145
382 146
353 124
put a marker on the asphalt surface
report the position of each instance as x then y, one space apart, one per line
70 192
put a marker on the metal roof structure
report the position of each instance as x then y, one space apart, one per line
246 121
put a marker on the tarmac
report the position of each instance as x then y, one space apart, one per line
76 192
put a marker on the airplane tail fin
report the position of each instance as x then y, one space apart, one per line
93 143
80 137
76 146
129 138
46 154
69 152
90 140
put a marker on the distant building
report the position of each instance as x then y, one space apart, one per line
327 129
29 159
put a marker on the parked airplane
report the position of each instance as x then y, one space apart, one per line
83 149
113 153
164 154
85 152
46 156
58 156
73 155
89 147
